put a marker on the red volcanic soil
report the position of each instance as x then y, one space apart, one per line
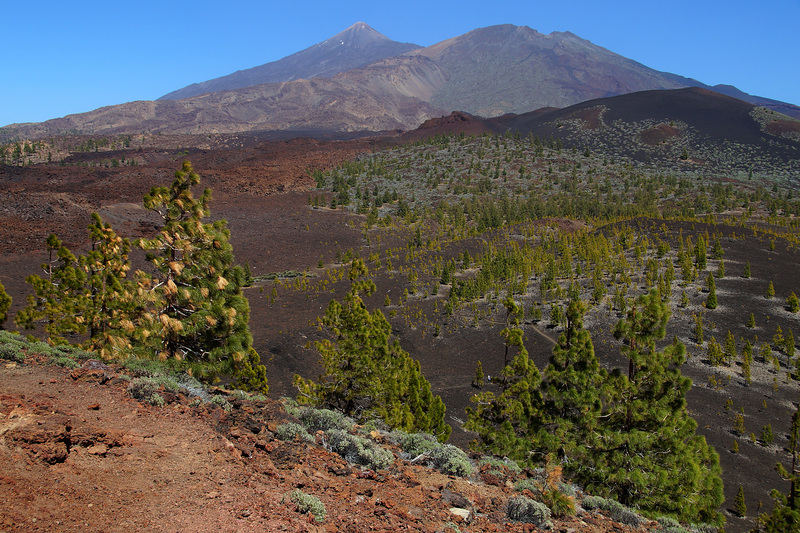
78 454
784 127
659 133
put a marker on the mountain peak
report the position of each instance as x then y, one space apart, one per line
359 35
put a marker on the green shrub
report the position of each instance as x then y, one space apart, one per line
324 419
291 406
615 510
508 463
416 444
223 402
358 450
11 352
156 399
143 388
145 367
64 360
523 509
306 503
292 431
451 460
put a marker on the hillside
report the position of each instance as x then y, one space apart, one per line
79 453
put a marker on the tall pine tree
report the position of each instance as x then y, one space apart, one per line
572 388
366 373
511 423
196 312
651 456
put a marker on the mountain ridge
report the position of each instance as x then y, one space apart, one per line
488 72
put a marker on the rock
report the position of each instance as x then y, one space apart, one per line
97 449
464 514
455 499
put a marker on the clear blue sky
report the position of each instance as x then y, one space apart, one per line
71 57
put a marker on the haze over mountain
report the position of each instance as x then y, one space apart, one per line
357 46
488 72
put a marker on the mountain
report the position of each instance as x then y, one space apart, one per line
357 46
488 72
515 69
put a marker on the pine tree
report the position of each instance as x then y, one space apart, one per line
572 386
111 305
650 455
196 314
785 516
510 423
793 303
739 506
700 258
770 290
711 301
57 300
730 349
5 305
478 380
366 374
746 273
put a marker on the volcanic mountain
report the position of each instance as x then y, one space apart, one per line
489 72
357 46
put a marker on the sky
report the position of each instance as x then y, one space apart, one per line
71 57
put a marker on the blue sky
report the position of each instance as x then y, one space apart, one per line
71 57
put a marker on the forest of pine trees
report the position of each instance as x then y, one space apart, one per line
624 435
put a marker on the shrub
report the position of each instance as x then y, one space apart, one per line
615 510
451 460
416 444
358 450
306 503
291 406
11 352
145 367
155 399
143 388
292 431
324 419
523 509
64 360
222 402
508 463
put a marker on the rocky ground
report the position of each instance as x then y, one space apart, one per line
79 454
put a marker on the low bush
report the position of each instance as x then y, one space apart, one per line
144 388
324 419
222 402
292 431
415 444
64 361
451 460
358 450
306 503
523 509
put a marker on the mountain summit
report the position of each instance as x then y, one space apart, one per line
357 46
